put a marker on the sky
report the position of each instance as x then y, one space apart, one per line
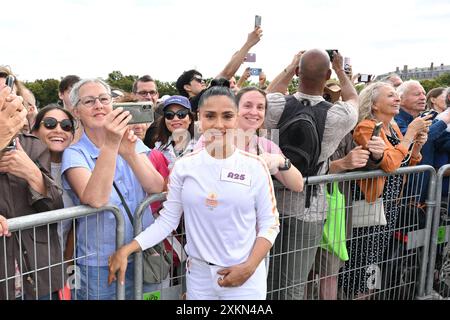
52 38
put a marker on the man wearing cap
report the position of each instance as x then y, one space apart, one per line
175 132
332 91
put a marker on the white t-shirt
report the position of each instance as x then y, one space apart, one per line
227 204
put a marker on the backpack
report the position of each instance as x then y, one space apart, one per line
301 128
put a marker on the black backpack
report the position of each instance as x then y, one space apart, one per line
301 128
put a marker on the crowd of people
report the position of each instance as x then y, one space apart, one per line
239 196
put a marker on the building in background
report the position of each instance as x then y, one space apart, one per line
430 72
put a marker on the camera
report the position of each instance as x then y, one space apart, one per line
141 112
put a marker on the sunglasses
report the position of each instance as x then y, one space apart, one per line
198 79
51 123
181 114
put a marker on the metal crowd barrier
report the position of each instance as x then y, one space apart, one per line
33 221
405 269
397 269
174 286
438 275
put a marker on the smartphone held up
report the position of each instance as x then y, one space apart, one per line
257 21
255 71
141 112
10 81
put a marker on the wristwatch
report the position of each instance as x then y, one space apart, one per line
287 165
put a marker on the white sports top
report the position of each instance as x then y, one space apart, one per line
227 204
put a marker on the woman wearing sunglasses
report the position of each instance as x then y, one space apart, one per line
26 188
175 132
107 163
55 126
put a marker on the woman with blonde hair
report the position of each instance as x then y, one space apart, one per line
379 102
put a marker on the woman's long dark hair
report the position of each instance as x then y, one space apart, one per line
162 134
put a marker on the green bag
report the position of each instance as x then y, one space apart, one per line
334 236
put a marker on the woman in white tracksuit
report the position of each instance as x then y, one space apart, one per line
229 208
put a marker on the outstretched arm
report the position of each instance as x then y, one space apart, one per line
238 58
281 81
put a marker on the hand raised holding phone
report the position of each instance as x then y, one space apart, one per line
115 126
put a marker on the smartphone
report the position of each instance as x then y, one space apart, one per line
376 131
141 112
364 78
347 65
250 57
11 145
257 21
255 71
10 81
331 53
428 112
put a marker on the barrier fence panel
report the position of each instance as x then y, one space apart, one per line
438 275
173 286
359 259
34 264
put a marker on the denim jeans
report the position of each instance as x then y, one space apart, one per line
94 284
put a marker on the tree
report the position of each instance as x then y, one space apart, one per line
118 81
45 91
441 81
166 88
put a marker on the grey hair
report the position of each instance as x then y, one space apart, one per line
404 87
74 95
367 97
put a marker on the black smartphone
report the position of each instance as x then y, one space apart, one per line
257 21
10 81
141 112
364 78
331 53
376 131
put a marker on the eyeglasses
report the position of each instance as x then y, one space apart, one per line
198 79
145 93
89 101
51 123
181 114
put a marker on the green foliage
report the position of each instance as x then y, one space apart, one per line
441 81
293 85
45 91
166 88
359 87
118 81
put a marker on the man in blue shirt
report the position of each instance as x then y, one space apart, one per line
412 103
